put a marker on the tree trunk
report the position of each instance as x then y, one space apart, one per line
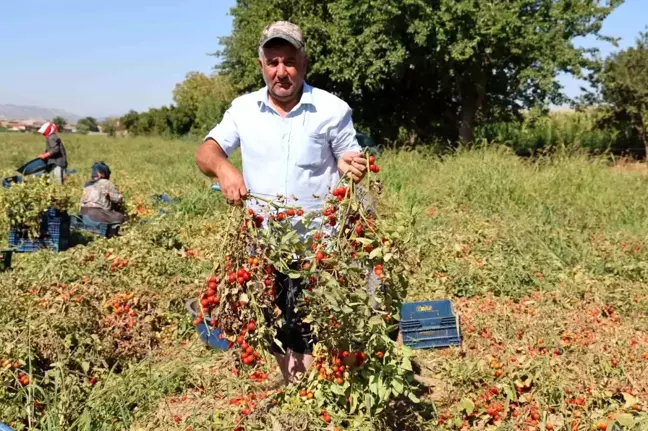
468 112
472 97
642 135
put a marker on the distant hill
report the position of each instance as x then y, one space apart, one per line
18 112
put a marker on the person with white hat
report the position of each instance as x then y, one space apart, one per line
54 154
296 141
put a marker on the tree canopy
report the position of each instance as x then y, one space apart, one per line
200 102
59 122
208 97
418 70
623 83
88 124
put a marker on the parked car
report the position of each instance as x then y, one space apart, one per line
367 142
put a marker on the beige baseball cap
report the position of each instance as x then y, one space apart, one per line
283 30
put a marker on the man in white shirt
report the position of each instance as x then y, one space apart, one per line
295 141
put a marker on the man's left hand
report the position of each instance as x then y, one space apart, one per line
44 156
353 165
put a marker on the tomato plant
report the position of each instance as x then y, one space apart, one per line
353 269
25 203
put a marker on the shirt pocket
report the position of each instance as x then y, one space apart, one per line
313 150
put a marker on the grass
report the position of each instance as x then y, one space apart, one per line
561 130
545 261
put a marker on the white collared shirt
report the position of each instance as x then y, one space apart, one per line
291 156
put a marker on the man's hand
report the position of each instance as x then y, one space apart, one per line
44 156
353 165
231 183
212 161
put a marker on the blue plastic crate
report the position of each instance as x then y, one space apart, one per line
106 230
164 198
8 181
208 335
54 234
428 324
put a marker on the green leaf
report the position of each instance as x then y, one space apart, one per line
629 400
85 366
406 364
373 384
369 402
467 405
337 389
625 420
364 241
383 391
397 386
354 402
289 237
413 397
510 393
375 253
375 321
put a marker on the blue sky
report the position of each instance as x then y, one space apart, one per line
104 58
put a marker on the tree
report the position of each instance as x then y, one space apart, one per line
423 70
110 126
206 96
145 123
163 121
129 121
623 82
59 122
182 121
88 123
82 128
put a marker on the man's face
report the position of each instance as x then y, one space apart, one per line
284 68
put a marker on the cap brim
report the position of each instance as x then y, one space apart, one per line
294 42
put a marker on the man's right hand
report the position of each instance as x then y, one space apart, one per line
231 183
212 161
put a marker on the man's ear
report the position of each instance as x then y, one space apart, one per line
260 63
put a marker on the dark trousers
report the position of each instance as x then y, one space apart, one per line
294 334
102 216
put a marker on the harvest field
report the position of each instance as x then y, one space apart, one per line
546 261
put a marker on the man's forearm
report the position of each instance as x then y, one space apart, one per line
210 158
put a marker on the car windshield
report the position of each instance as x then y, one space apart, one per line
365 141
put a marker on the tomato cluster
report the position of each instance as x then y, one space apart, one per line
209 299
247 404
117 263
240 295
22 378
249 355
373 167
123 312
339 366
329 214
341 193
